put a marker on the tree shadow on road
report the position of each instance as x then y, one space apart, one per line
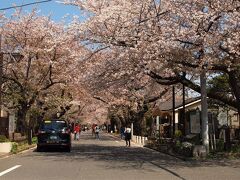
128 155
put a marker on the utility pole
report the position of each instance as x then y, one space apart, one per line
1 74
204 107
173 107
183 114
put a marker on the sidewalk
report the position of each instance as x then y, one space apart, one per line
21 150
221 160
2 155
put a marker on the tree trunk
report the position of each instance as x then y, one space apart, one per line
204 111
25 128
29 136
234 82
21 121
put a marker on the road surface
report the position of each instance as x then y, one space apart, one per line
109 159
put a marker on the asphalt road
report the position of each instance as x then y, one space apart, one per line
109 159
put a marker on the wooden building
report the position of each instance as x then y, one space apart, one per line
188 117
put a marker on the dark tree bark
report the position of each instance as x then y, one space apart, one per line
234 82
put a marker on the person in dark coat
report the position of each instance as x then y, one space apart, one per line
128 136
122 129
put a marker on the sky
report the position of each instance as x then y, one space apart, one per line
53 8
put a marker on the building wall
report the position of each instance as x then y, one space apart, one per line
187 127
232 116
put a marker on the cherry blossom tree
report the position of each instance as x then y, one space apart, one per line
39 54
127 94
172 40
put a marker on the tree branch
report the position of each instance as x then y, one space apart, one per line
214 95
163 80
100 99
188 83
153 99
51 84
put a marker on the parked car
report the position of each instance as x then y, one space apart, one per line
54 133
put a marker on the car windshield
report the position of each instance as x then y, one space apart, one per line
53 125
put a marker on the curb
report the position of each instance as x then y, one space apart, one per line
4 155
169 154
138 145
7 155
186 159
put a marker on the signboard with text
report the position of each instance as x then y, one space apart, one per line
11 123
222 118
195 122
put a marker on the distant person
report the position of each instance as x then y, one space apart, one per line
122 129
93 129
97 130
72 127
77 130
127 133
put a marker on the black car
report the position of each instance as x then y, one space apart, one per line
54 133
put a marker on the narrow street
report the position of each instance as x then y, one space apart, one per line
109 159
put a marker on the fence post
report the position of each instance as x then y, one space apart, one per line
131 131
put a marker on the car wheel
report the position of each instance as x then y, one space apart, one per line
39 149
68 149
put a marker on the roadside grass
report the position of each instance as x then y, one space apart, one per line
22 146
4 138
233 153
221 155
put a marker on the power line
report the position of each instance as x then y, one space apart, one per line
23 5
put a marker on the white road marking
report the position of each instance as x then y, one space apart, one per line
9 170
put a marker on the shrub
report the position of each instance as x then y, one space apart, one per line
183 149
194 139
178 143
4 138
220 145
178 134
187 145
34 140
236 149
14 148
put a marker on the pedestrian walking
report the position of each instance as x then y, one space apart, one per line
77 130
93 129
97 130
127 133
122 129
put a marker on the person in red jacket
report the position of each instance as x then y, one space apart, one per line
77 130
